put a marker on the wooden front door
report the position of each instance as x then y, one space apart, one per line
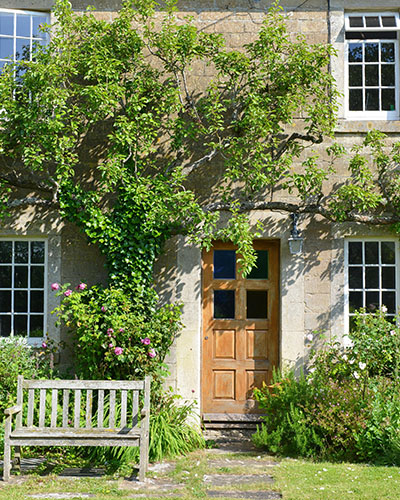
240 327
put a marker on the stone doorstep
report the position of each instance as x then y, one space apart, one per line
227 479
61 496
257 495
236 462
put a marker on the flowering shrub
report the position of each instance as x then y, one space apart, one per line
111 340
347 407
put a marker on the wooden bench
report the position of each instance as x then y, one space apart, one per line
103 413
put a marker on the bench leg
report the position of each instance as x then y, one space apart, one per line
17 458
7 461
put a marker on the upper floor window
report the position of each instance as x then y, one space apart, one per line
19 33
372 65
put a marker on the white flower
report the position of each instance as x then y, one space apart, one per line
384 309
392 332
356 375
311 370
362 365
351 361
345 357
310 337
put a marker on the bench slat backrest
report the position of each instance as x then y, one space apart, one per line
94 403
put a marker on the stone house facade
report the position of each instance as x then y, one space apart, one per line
225 350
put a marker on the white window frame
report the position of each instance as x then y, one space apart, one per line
372 115
346 273
34 341
14 36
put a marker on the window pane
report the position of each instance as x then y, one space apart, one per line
37 277
24 25
21 301
36 326
224 264
388 277
21 251
355 52
355 75
388 21
260 271
5 326
224 304
6 48
389 300
387 75
256 304
37 22
22 49
355 252
372 277
388 100
5 276
372 22
5 301
372 99
355 301
20 325
355 277
387 52
388 252
37 252
356 22
355 100
21 276
371 52
6 24
372 301
371 252
371 75
36 302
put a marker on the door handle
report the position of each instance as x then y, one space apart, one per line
205 338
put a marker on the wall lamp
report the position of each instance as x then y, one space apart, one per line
295 240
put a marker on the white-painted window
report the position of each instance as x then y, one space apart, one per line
19 33
372 280
23 286
372 65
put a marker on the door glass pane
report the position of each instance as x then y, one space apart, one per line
21 251
372 301
21 301
372 277
389 300
372 99
256 304
387 52
371 252
355 75
355 100
6 23
355 52
224 304
22 49
371 75
36 301
24 26
5 276
355 252
372 21
388 252
37 277
20 324
355 277
21 276
371 52
36 326
388 100
6 48
5 326
6 251
388 21
355 301
260 270
388 277
37 252
224 264
387 75
5 301
356 22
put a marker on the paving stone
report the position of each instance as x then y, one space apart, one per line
236 462
226 479
61 495
151 484
158 495
257 495
79 472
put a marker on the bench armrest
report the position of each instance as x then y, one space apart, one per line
13 409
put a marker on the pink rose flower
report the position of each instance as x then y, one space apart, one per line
68 292
103 309
110 331
118 351
81 286
152 353
44 345
145 341
122 330
110 346
55 286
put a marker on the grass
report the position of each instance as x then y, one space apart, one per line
296 479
